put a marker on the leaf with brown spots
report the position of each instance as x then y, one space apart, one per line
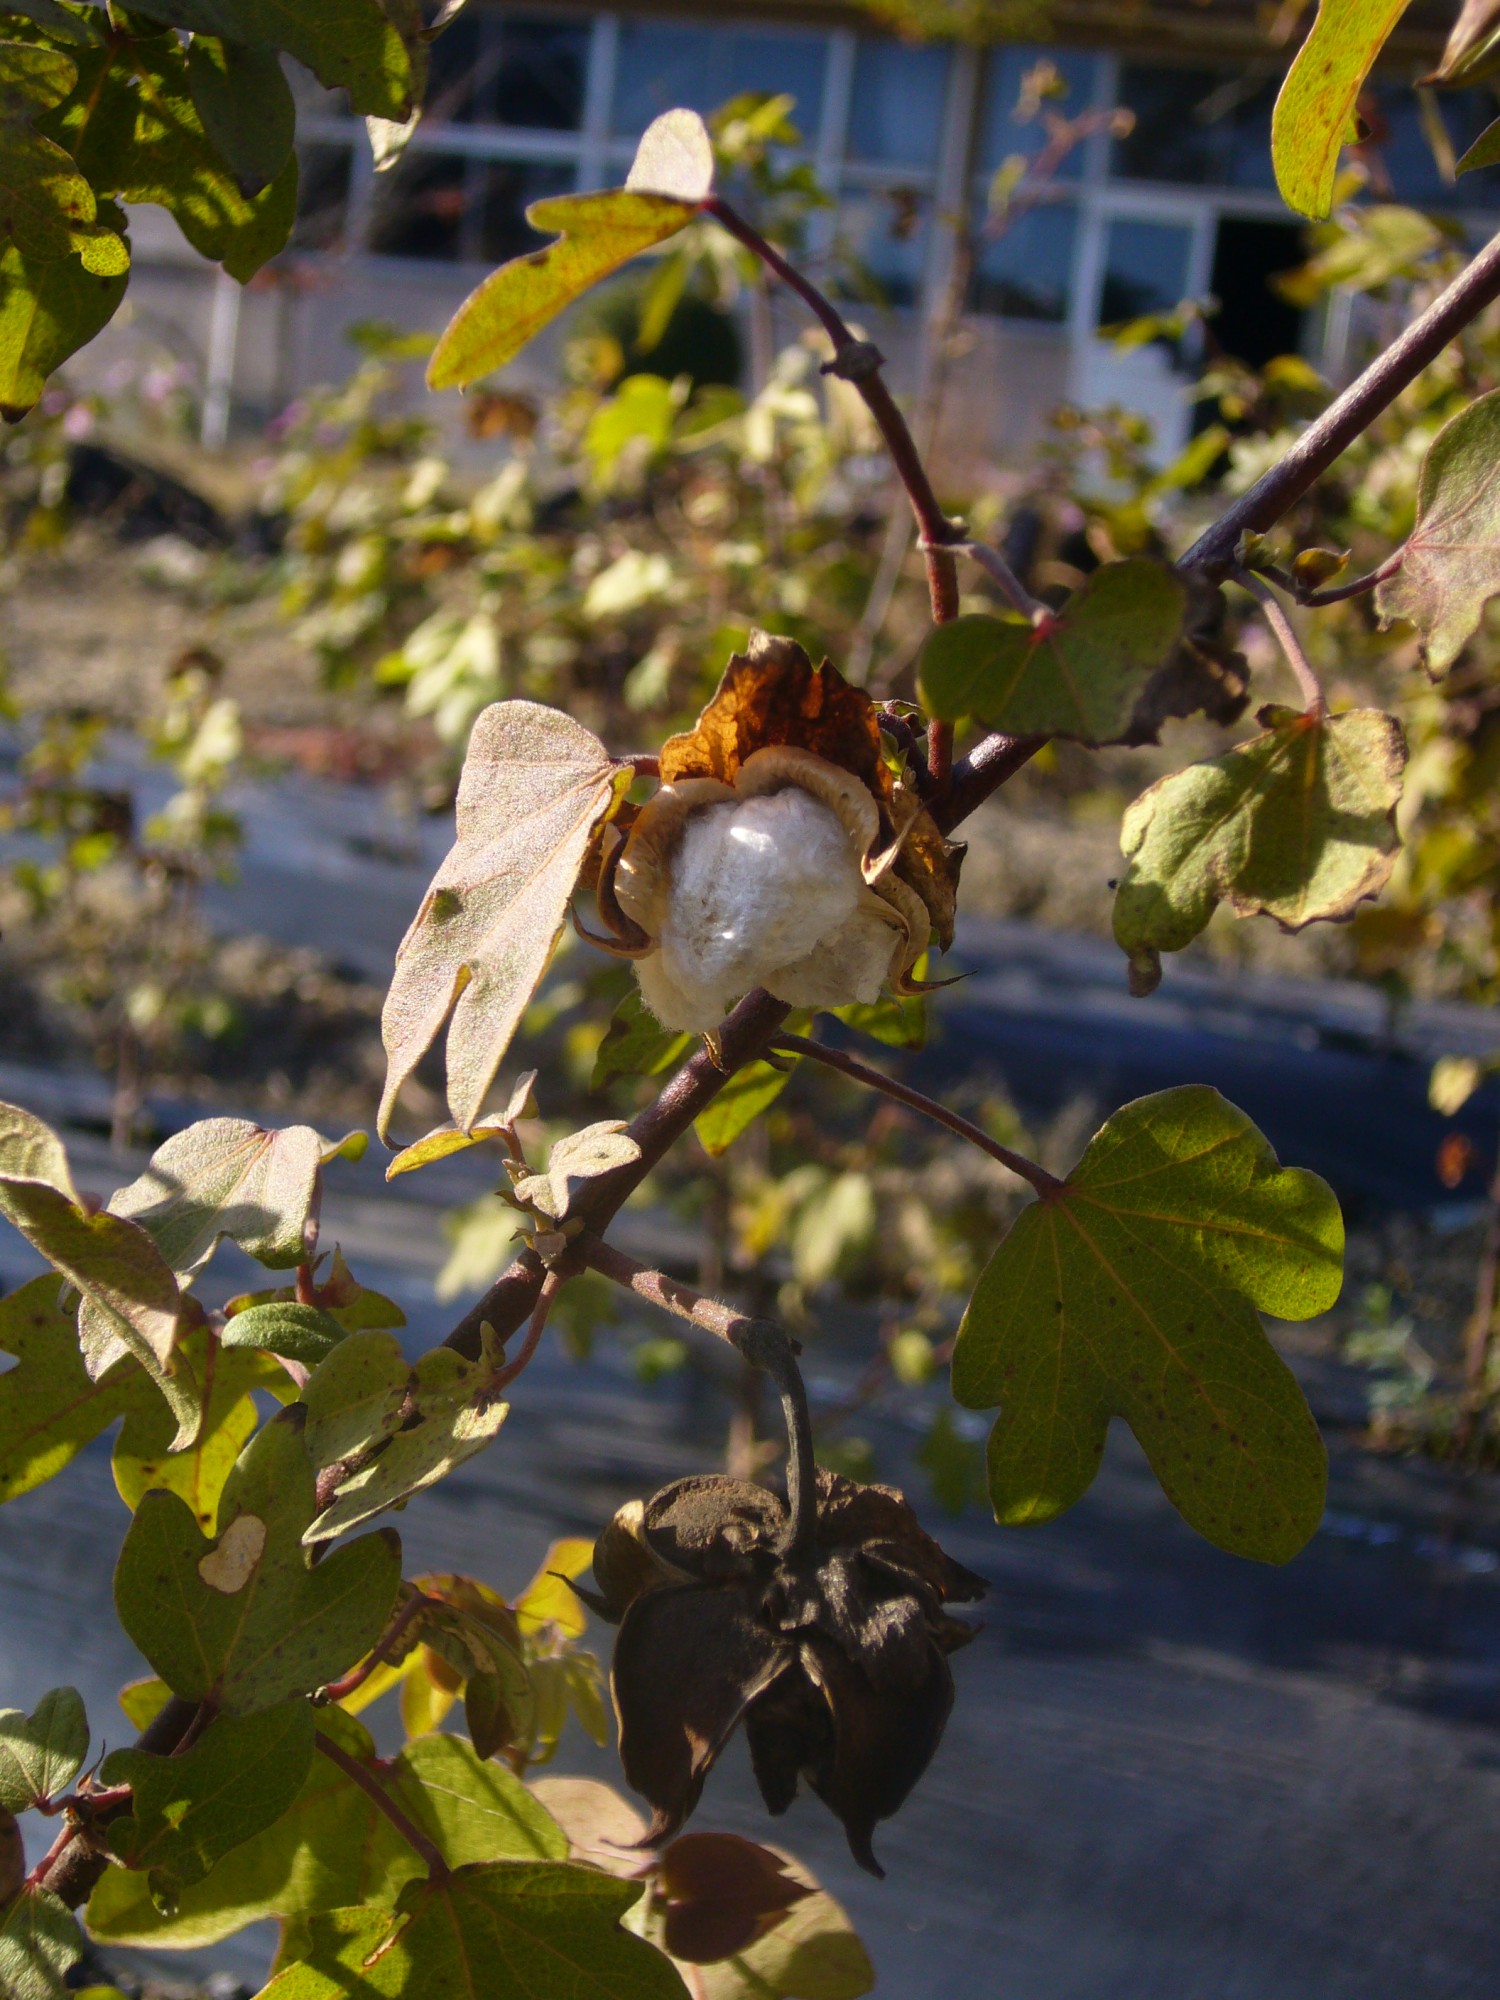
1131 1291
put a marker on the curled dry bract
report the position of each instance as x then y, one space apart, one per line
834 1657
780 851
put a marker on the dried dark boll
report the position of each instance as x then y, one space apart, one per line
834 1658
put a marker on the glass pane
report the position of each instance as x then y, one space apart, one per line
896 112
660 66
1002 133
1145 269
509 70
322 197
448 206
885 234
1202 127
506 190
1027 272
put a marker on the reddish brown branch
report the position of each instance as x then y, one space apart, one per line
370 1785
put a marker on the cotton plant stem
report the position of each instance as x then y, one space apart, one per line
361 1775
763 1343
1326 440
1307 681
75 1862
995 566
916 1100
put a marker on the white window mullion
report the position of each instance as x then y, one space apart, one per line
604 52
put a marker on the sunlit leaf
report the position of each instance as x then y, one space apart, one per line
334 1847
597 233
445 1141
1450 566
348 45
143 1456
1298 824
1132 1292
40 1753
242 1620
1453 1082
748 1093
190 1809
47 207
128 1289
49 308
1485 151
1314 116
675 157
229 1177
535 784
547 1600
1078 673
138 137
578 1156
429 1416
39 1941
50 1406
486 1932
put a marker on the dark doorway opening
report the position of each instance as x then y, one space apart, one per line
1254 323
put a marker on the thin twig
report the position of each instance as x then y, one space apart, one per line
552 1284
361 1775
763 1343
380 1652
994 564
915 1100
1349 415
1291 645
859 362
1336 593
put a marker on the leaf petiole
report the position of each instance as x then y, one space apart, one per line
1307 681
361 1775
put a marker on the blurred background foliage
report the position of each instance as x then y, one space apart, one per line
344 598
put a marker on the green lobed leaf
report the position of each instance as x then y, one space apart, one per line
748 1093
49 308
334 1847
40 1753
1314 116
47 207
39 1941
229 1177
1132 1292
535 784
130 1298
301 1333
242 1620
635 1043
487 1931
1298 824
348 45
144 1459
245 106
596 233
1450 565
138 138
1077 673
431 1417
190 1809
50 1406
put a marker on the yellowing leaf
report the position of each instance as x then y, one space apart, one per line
1314 113
748 1093
597 233
50 1406
1298 824
1078 673
143 1456
1450 566
1132 1291
541 1928
535 784
547 1600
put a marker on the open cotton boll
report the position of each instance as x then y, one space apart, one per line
756 887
